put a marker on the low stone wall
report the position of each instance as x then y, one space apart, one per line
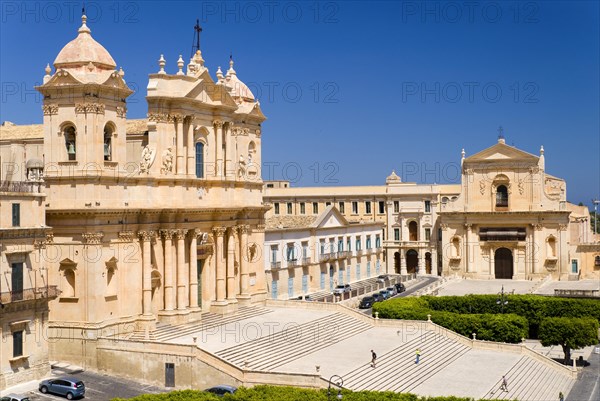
194 367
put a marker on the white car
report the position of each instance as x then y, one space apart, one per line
341 289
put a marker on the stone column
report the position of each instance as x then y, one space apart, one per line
218 124
181 273
468 265
402 262
535 250
169 293
229 150
243 243
230 264
218 232
191 148
179 140
146 237
492 263
193 269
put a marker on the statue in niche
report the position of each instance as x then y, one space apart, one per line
147 159
167 161
242 167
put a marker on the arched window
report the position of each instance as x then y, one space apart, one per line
70 142
199 160
412 231
597 261
251 152
501 196
108 134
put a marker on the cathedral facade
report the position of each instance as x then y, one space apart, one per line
145 220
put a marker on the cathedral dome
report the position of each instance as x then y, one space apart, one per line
239 90
84 50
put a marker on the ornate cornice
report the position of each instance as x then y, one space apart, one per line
50 109
92 238
97 108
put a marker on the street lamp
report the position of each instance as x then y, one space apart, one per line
502 300
338 382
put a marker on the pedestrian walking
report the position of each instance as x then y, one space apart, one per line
561 396
417 355
373 358
504 386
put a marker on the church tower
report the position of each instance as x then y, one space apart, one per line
84 111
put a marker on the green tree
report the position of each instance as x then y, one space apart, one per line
569 333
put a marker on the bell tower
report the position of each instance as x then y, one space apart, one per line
84 111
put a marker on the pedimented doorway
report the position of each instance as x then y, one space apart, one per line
503 262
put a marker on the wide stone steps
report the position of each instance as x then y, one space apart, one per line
397 370
166 332
282 347
530 380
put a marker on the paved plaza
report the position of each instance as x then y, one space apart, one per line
469 286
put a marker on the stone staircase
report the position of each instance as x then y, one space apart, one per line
272 351
530 380
397 370
165 332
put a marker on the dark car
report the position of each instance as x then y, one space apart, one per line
382 278
70 387
400 287
366 303
377 297
222 390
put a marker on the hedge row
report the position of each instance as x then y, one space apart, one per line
508 328
480 313
280 393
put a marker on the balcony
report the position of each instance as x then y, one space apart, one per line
359 252
292 262
20 186
275 265
305 261
29 294
344 254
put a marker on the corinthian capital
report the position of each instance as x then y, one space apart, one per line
218 231
146 235
218 123
167 234
243 229
180 234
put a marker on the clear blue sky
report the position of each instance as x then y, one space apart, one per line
353 90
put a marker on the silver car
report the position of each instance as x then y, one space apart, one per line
14 397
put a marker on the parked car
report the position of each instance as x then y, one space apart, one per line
400 287
304 298
14 397
392 290
366 303
382 278
70 387
385 294
377 297
341 289
221 390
